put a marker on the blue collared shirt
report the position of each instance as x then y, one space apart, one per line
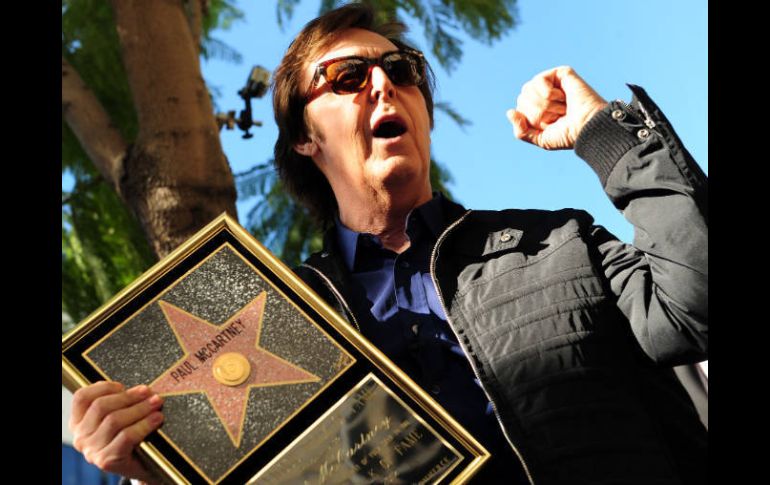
410 326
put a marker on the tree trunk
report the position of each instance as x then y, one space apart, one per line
176 178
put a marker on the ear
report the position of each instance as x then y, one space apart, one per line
308 147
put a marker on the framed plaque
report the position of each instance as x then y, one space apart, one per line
262 381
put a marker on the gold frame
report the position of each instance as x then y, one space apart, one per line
73 379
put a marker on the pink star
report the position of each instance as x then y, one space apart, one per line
203 342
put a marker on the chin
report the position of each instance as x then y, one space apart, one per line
402 172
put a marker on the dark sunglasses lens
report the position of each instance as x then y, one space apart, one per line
347 76
404 69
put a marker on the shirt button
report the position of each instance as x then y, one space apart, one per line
414 329
505 237
435 389
618 115
643 134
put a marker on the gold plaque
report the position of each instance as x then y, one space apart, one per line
262 381
231 369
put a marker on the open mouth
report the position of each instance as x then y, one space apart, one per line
389 129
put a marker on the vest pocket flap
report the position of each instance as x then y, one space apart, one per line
502 240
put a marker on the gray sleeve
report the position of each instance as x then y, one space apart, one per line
661 281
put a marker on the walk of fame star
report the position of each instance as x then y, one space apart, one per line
229 401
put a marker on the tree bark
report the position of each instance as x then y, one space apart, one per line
176 177
195 13
92 126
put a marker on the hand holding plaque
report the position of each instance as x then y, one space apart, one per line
108 422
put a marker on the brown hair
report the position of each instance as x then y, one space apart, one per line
298 173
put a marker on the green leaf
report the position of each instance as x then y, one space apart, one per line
212 48
448 110
103 248
440 177
220 15
285 10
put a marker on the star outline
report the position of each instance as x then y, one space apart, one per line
247 389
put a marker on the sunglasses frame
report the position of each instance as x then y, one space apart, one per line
370 62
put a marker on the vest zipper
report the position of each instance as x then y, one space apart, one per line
433 259
337 294
647 120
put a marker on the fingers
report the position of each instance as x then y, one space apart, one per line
104 405
108 424
567 78
541 101
117 456
540 115
83 398
142 416
547 85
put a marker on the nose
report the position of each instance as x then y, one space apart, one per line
381 84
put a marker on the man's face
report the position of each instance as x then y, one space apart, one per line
346 136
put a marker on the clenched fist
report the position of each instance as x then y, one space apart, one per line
553 107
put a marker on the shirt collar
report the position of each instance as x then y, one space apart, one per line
431 214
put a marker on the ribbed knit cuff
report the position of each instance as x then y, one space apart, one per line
603 141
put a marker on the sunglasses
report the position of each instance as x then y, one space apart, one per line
350 74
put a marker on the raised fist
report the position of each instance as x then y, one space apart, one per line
553 107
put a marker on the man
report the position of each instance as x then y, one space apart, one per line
548 338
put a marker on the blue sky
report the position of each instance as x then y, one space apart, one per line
659 45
